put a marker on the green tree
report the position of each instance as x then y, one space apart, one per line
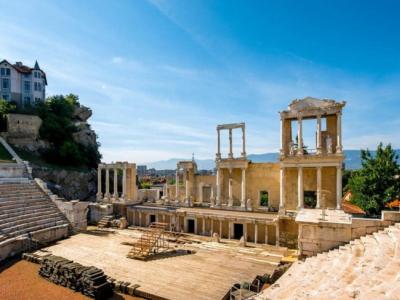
5 108
377 182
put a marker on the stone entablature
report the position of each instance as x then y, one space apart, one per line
231 127
129 188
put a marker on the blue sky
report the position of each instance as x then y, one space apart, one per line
160 75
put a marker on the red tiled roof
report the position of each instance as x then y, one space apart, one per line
393 204
349 207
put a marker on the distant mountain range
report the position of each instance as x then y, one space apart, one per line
352 161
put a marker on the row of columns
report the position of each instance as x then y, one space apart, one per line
107 194
339 147
300 188
175 223
230 154
230 188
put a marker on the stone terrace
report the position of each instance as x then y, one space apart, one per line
366 268
207 274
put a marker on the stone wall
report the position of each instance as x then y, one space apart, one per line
98 210
317 237
23 126
75 211
148 195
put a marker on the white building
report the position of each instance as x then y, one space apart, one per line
22 84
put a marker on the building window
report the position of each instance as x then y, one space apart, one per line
37 99
5 84
5 97
27 101
39 87
5 71
310 199
264 198
27 86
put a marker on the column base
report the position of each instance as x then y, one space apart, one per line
230 202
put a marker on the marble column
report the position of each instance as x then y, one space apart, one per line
220 229
177 185
201 192
230 155
230 194
339 187
245 231
186 185
319 186
282 146
99 193
300 192
255 233
319 144
339 132
243 198
243 142
218 184
115 183
266 233
124 182
277 234
299 136
107 193
282 188
229 230
219 144
140 218
204 226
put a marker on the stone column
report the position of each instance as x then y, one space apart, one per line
282 188
204 226
300 192
107 193
230 155
319 144
255 233
339 132
339 187
266 233
245 231
219 144
166 189
115 183
124 182
244 142
230 194
186 185
99 193
177 185
300 136
282 148
218 184
220 229
229 230
243 198
319 186
277 233
140 218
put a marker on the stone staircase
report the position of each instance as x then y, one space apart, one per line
105 221
26 211
366 268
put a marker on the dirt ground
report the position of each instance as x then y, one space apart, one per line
21 281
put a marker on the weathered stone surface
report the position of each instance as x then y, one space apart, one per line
85 135
71 185
82 113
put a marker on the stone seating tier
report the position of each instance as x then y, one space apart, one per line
366 268
25 208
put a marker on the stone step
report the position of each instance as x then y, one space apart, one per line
19 195
27 214
23 210
23 227
37 227
25 219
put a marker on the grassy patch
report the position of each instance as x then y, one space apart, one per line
5 157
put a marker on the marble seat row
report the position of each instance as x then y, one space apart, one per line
366 268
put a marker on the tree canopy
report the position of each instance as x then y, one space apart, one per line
377 182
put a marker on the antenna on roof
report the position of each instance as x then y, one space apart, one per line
192 156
